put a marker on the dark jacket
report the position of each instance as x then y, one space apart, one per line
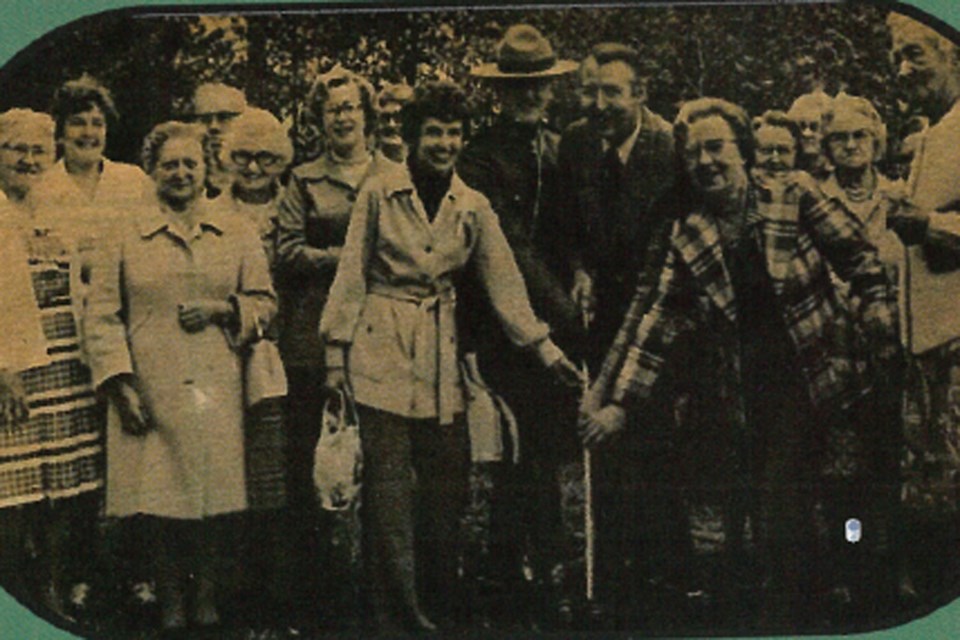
607 220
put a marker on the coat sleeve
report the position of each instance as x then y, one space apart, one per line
640 304
848 251
105 316
349 290
294 255
498 273
24 345
670 314
255 299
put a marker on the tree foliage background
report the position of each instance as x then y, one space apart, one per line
760 56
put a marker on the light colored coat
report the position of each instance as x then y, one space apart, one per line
191 464
934 185
393 300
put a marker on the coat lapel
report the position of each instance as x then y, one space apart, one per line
698 242
776 216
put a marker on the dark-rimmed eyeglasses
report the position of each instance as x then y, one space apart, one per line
263 158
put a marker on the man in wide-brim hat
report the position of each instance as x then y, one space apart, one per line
513 162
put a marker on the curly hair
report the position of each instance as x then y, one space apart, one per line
778 120
164 132
338 77
440 99
855 105
12 121
264 129
77 96
700 108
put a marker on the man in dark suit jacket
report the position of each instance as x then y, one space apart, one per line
513 162
616 168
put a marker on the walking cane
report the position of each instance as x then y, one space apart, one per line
588 528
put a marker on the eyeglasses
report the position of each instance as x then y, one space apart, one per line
263 158
713 147
812 125
779 149
345 109
24 150
843 137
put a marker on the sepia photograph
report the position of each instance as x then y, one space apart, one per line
572 319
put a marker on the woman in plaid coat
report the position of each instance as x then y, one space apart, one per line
745 288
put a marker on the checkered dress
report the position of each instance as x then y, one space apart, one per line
57 452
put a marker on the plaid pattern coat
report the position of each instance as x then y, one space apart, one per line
799 232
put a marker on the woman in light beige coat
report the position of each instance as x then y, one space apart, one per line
186 287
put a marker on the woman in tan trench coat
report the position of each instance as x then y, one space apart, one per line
171 306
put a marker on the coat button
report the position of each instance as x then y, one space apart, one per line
428 249
351 197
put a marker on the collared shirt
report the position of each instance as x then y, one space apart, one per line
392 301
626 147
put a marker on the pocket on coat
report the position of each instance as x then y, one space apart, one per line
377 352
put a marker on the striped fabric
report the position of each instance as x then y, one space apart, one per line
799 230
57 452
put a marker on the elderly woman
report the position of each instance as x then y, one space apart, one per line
746 281
807 111
391 338
51 457
312 225
865 448
777 143
172 306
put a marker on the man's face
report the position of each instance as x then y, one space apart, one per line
587 91
616 107
388 123
439 145
23 159
84 136
850 141
924 71
179 173
215 108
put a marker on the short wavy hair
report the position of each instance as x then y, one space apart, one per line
163 133
15 119
700 108
264 128
848 104
77 96
337 77
778 120
444 100
394 93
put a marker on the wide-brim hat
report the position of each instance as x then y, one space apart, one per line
524 53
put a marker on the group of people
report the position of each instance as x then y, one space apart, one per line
713 308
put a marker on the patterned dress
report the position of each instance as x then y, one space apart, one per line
57 452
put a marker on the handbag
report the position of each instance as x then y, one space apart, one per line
263 374
489 418
338 457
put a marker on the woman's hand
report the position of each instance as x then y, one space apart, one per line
196 315
591 403
134 419
13 399
603 425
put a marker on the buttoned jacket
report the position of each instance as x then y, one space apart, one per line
392 304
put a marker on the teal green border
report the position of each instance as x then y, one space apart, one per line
26 20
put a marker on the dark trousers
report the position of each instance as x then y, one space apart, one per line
643 546
322 585
415 475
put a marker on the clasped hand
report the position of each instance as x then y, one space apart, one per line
196 315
